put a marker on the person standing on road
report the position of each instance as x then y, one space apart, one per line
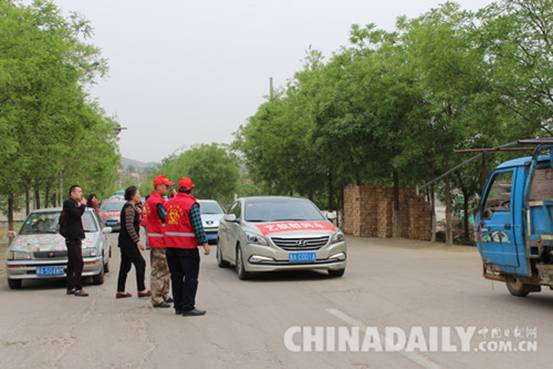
154 220
71 228
183 233
131 246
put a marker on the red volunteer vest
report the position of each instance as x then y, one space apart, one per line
179 233
154 225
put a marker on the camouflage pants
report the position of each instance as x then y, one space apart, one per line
160 278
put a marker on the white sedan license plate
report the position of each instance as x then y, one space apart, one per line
49 271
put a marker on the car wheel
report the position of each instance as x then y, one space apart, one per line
222 263
98 279
336 273
15 284
519 289
240 269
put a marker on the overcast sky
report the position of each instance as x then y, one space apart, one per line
188 72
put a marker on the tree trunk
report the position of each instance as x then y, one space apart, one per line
433 213
27 201
448 213
396 215
37 197
466 214
11 201
331 205
46 195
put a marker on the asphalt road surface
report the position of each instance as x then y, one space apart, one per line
388 283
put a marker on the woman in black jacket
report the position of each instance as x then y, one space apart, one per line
131 246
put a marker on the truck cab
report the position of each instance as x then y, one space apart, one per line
514 231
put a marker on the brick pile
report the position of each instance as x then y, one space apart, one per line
368 212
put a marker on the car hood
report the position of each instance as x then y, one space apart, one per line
47 242
294 228
211 220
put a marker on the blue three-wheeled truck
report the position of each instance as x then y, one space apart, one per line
514 229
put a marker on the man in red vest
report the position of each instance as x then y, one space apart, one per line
154 219
183 234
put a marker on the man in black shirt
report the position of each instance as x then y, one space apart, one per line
73 232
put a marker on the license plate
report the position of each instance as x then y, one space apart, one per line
49 271
302 257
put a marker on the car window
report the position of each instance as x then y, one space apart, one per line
47 222
112 206
210 207
279 209
499 195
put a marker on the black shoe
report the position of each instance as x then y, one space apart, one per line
169 300
162 305
80 293
194 312
70 291
178 312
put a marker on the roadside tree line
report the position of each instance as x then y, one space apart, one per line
53 134
391 107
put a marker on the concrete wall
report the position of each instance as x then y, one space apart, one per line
368 212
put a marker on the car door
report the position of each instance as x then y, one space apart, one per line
234 230
497 241
224 234
104 241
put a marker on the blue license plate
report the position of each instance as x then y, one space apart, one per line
211 236
302 257
49 271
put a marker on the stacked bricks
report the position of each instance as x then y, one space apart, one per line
368 212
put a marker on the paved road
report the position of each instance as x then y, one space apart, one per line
396 283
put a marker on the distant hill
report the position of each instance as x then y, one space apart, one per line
137 164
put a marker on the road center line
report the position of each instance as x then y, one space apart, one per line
422 361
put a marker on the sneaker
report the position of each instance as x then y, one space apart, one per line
169 300
70 291
194 312
80 293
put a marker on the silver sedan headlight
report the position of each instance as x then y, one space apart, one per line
256 239
337 237
19 255
90 252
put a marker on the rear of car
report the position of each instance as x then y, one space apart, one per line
266 234
212 214
39 251
110 212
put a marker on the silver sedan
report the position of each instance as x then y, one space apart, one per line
265 234
39 251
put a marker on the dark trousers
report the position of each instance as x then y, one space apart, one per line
74 264
130 255
184 265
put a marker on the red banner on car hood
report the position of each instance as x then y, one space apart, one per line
295 226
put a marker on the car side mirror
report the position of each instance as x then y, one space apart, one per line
230 218
107 230
331 215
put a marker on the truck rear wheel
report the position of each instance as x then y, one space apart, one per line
517 288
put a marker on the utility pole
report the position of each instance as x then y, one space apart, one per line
271 90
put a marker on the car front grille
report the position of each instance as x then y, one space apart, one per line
50 254
298 244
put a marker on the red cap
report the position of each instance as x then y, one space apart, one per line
186 183
162 180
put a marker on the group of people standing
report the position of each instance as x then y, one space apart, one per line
174 231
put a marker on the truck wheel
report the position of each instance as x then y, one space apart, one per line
15 284
517 288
